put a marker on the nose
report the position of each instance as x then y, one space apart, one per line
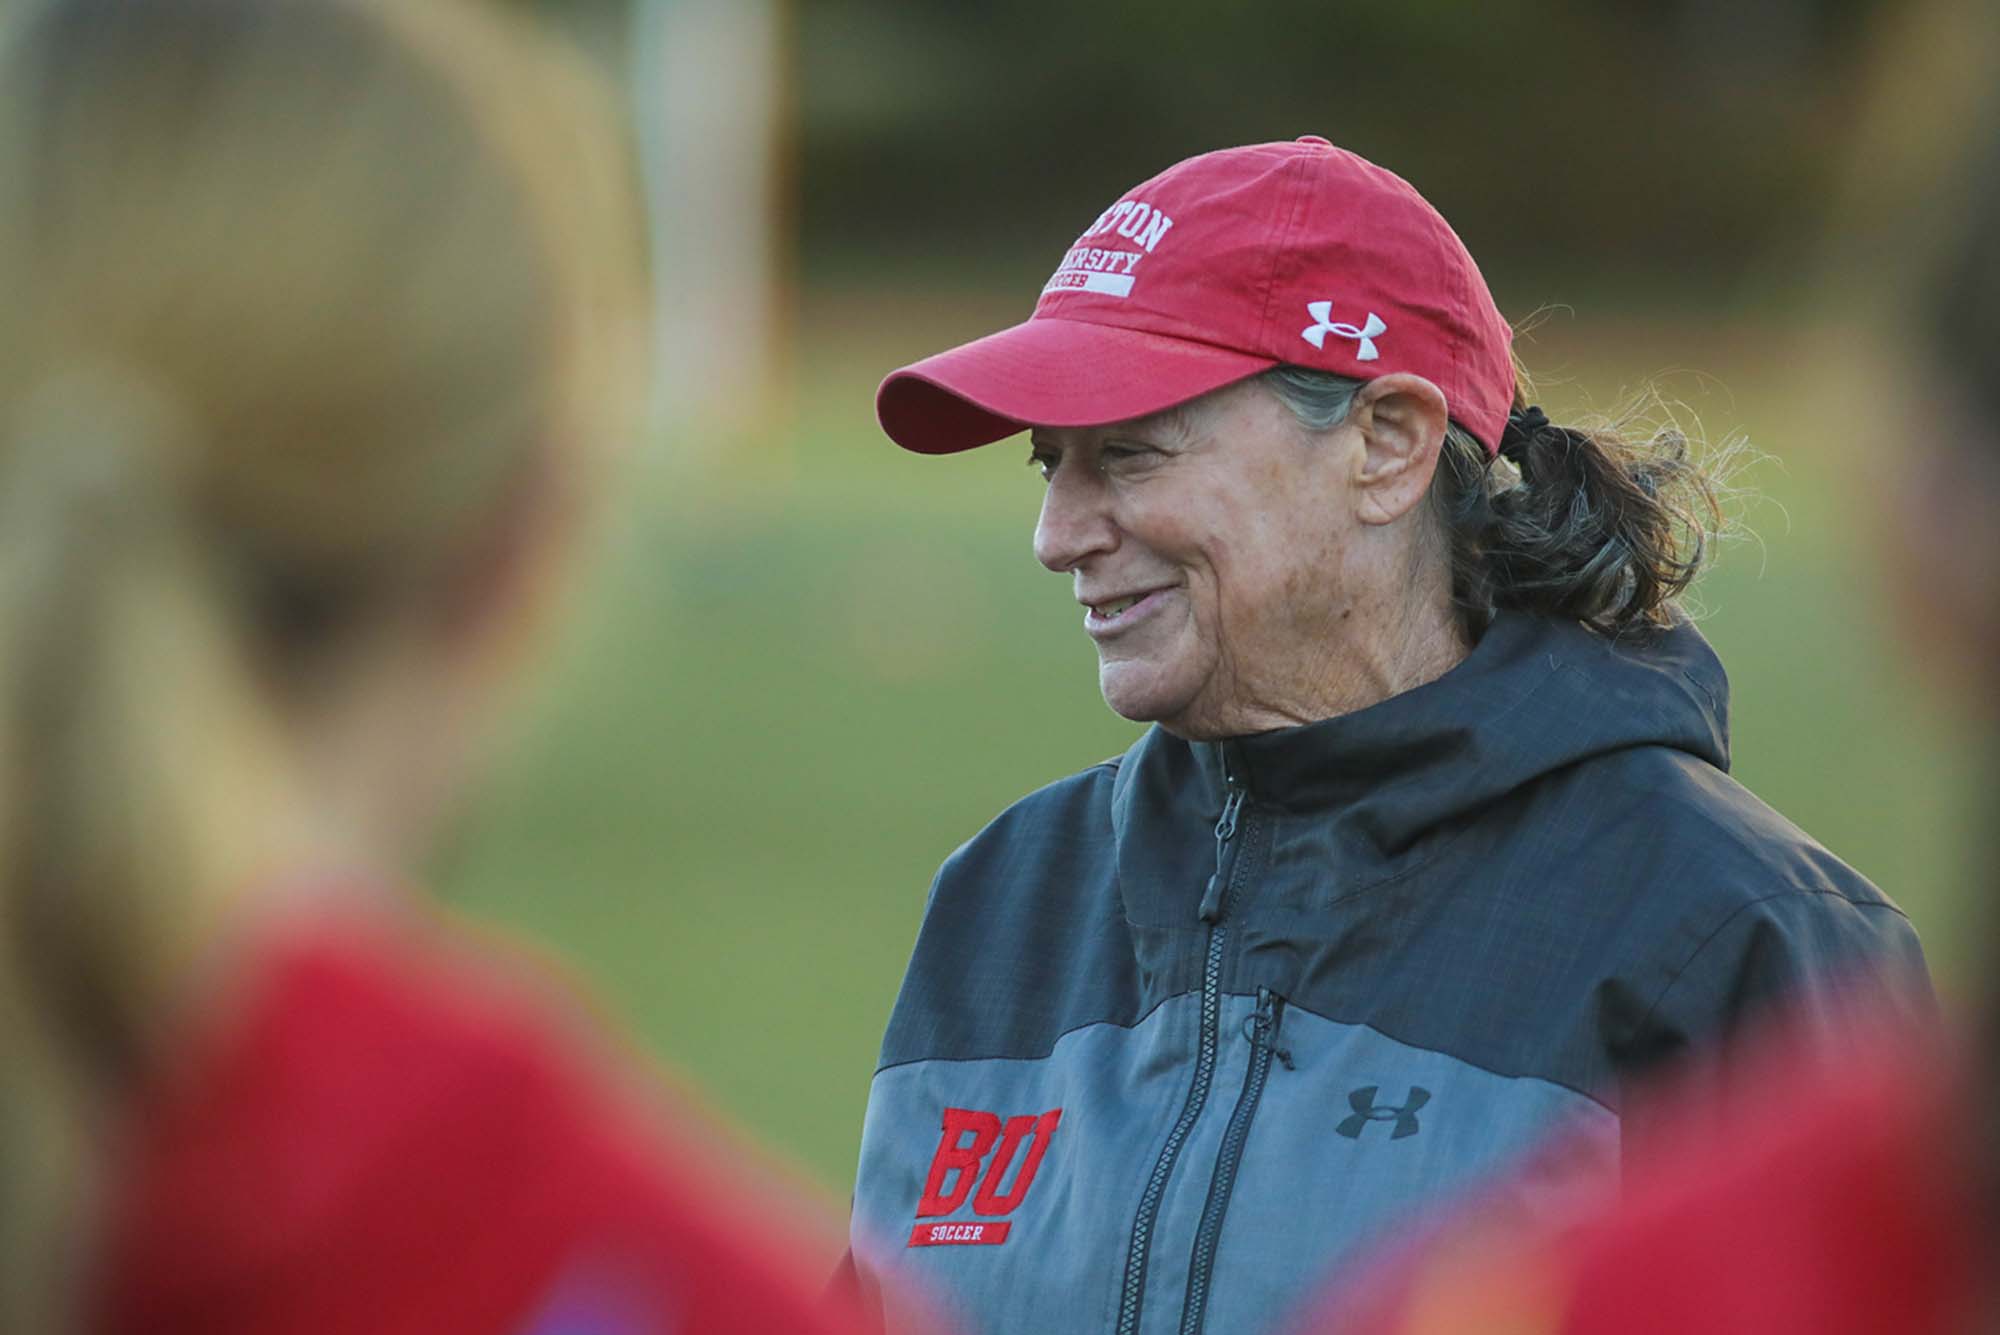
1076 522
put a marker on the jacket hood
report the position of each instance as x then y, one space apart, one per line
1535 695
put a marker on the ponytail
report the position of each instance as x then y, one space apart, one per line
1588 525
133 791
301 301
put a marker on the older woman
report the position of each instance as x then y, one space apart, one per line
1433 845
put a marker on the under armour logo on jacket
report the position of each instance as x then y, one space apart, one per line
1363 1102
1322 314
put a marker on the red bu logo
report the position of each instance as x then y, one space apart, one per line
969 1138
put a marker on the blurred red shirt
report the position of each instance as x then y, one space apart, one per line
383 1137
1835 1201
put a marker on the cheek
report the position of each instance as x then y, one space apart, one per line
1167 539
1236 583
1292 579
1310 579
1296 548
1260 556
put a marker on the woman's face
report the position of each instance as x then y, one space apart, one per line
1209 546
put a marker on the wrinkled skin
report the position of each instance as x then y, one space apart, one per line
1287 575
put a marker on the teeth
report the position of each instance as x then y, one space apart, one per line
1110 610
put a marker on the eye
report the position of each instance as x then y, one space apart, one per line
1043 462
1121 456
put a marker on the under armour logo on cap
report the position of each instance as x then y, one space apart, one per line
1182 287
1322 314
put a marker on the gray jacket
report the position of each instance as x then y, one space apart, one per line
1185 1029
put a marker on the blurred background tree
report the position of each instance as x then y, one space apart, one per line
1669 134
1674 133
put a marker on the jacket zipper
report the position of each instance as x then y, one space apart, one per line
1214 907
1263 1046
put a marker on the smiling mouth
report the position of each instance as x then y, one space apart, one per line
1112 610
1110 616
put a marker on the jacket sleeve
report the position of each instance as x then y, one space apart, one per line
1826 967
1816 954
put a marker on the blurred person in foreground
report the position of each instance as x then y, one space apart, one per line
316 316
1433 847
1849 1197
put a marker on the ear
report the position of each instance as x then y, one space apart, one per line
497 604
1401 419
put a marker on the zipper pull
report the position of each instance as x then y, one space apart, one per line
1211 900
1225 830
1261 1028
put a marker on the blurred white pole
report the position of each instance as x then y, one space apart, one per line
712 92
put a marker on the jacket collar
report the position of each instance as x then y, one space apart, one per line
1534 695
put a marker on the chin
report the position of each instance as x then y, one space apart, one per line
1141 692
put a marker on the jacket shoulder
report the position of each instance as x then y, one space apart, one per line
1058 821
1726 846
1743 909
1024 937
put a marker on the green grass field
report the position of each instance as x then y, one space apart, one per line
810 666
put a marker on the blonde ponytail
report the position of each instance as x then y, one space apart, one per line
301 296
142 789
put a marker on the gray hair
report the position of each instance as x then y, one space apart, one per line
1595 527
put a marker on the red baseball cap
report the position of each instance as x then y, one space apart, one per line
1220 267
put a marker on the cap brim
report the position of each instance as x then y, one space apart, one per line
1048 372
